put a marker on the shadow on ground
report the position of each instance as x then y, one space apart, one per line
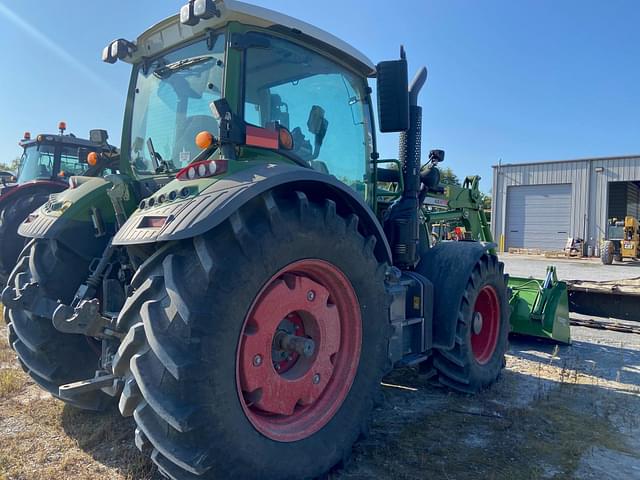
109 439
535 423
604 361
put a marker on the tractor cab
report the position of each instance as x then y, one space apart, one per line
279 96
56 157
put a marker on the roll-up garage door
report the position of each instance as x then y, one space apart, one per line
538 216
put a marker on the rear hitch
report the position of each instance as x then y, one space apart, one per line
109 384
85 319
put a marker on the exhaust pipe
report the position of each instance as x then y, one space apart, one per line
403 215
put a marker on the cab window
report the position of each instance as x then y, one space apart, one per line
69 163
321 103
37 163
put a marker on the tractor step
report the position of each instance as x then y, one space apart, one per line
108 383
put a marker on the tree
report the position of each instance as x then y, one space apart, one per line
447 177
486 200
11 166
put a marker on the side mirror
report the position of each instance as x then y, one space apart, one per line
436 156
98 136
83 153
393 95
317 125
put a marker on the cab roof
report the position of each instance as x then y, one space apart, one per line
170 32
68 139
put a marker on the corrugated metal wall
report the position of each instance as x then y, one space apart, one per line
590 186
633 200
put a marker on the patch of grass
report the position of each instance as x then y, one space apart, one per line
11 381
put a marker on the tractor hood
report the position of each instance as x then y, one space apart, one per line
170 32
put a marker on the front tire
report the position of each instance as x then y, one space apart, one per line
202 322
482 331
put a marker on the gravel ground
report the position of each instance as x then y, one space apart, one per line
567 412
568 269
558 412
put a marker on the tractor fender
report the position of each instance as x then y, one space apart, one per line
67 219
29 188
448 266
218 201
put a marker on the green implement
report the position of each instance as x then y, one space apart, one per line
540 308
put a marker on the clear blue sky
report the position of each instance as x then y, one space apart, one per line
510 80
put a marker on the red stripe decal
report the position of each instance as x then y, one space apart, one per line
262 137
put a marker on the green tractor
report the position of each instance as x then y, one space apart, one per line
242 296
48 163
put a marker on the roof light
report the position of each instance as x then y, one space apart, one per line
118 50
196 10
203 169
205 9
27 136
62 126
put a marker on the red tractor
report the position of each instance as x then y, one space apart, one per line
48 162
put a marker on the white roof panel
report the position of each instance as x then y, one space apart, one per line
170 32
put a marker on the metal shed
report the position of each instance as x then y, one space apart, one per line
541 204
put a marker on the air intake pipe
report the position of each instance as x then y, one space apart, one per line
403 220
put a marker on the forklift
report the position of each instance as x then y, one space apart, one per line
622 241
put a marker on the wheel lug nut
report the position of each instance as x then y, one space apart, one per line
311 295
257 360
316 379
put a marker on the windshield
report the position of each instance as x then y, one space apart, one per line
171 106
37 163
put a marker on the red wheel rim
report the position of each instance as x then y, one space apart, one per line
485 326
288 398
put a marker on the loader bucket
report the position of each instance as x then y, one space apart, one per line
540 308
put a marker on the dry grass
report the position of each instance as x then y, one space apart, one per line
43 439
11 381
541 421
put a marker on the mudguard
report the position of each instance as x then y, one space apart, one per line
12 193
198 214
67 217
449 265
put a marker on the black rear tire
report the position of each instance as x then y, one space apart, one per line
459 368
11 244
50 357
608 253
184 322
